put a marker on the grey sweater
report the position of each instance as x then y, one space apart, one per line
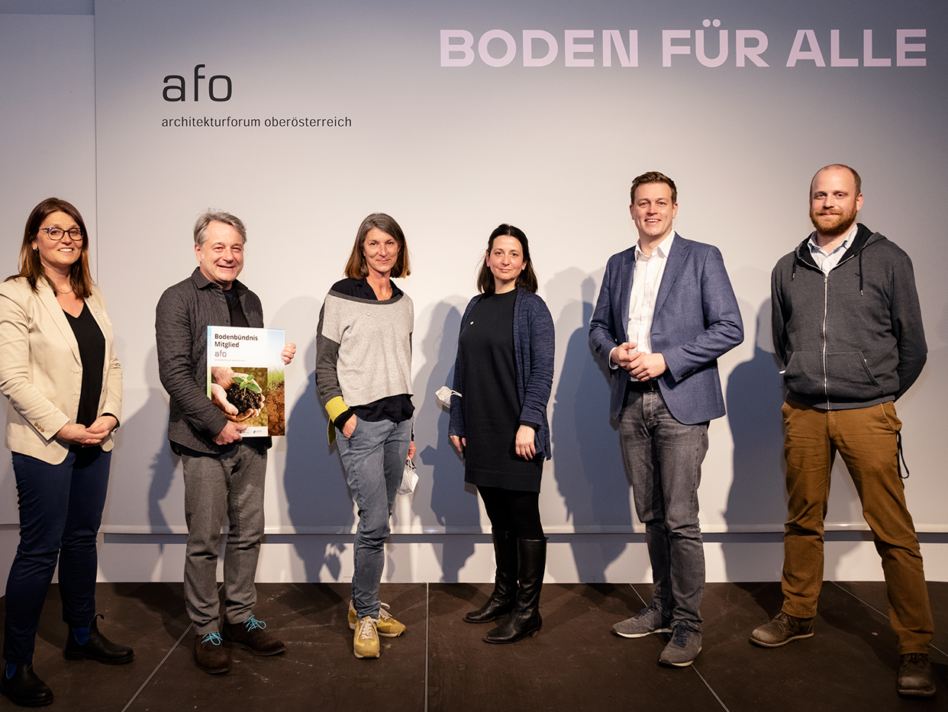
852 338
363 350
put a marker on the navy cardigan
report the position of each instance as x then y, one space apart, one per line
534 343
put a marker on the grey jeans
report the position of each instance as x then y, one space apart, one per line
663 459
229 484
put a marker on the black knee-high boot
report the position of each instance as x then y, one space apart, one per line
501 601
524 620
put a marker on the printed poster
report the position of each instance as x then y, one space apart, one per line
245 377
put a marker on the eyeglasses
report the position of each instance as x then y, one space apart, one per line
56 233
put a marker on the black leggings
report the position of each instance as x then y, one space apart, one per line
513 511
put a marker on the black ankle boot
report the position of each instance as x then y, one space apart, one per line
25 688
524 620
501 601
98 647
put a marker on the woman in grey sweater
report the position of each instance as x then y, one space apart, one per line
363 378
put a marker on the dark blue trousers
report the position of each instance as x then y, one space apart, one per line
60 512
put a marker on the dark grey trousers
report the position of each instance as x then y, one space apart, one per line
230 484
663 459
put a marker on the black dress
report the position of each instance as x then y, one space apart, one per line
490 401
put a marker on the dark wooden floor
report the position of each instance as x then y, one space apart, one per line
440 663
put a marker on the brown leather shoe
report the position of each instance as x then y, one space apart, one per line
781 630
915 676
210 655
250 636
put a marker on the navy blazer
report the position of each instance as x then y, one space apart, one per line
696 320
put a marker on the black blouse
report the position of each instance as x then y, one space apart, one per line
92 354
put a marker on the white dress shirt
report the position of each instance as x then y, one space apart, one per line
645 283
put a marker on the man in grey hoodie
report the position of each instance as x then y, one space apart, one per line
848 328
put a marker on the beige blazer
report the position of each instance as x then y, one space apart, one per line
41 372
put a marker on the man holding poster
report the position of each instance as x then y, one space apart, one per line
224 474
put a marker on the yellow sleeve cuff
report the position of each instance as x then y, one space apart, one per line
336 407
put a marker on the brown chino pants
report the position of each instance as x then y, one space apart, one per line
866 438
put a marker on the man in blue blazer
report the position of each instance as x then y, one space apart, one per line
666 312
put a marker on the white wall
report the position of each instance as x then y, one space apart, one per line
451 152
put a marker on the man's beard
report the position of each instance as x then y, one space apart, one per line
833 224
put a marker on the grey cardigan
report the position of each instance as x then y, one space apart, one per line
534 342
181 319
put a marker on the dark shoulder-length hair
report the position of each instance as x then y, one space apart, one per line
356 267
30 265
525 280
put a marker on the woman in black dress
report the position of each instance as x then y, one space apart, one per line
504 374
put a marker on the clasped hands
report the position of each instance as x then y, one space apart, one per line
643 366
76 434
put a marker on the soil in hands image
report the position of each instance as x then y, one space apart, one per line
246 399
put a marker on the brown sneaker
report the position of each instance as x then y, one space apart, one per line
915 676
249 635
781 630
210 655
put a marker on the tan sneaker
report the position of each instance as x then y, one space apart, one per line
365 644
387 626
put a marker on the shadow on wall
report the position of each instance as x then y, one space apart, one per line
588 463
757 498
313 478
754 397
440 469
919 432
146 431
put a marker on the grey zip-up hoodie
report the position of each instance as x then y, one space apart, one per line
852 338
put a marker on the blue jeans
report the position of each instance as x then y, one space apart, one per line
663 459
374 460
60 512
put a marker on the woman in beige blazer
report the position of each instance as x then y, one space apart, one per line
63 382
